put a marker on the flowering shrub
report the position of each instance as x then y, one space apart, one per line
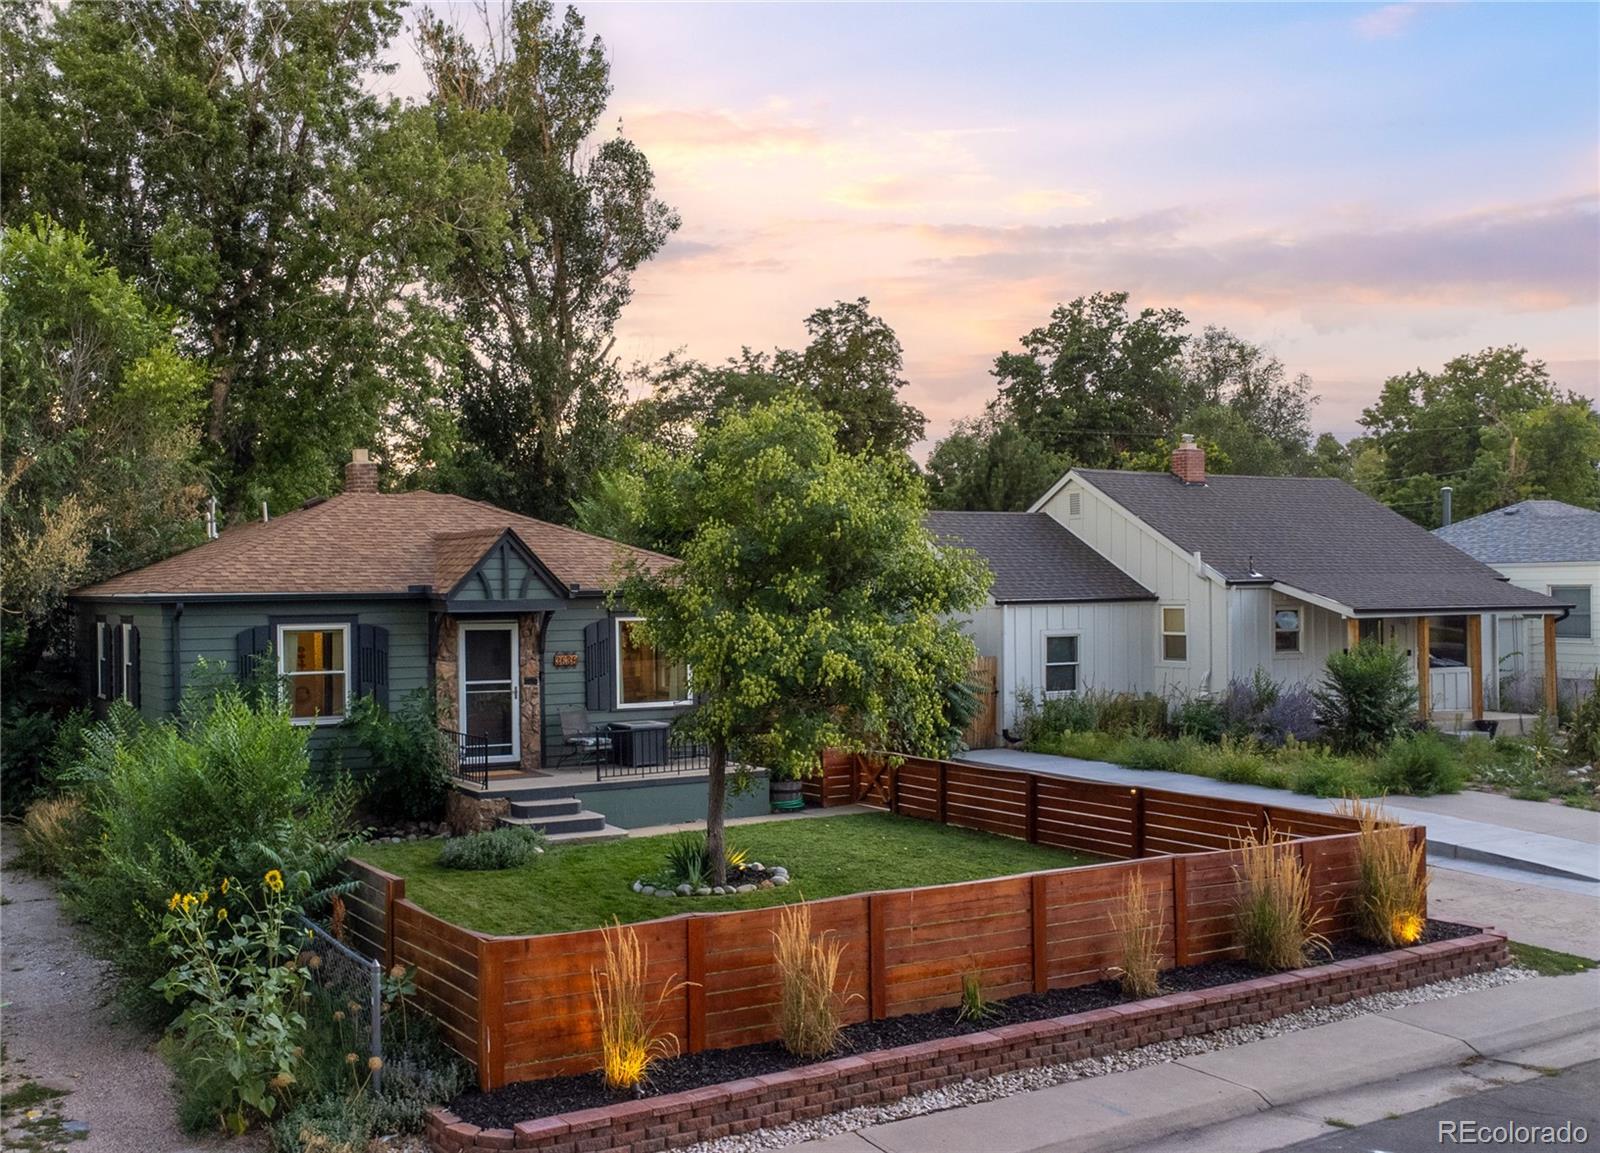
236 965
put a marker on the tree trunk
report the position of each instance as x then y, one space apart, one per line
716 799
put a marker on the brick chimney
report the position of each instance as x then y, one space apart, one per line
1189 461
360 474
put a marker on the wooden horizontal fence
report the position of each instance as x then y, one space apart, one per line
521 1008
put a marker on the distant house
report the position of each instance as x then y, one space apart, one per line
1239 573
1059 615
502 617
1549 547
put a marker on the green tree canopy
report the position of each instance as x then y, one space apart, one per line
231 160
810 604
539 387
1491 425
991 465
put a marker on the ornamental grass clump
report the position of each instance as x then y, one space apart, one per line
975 1003
630 1036
810 1006
1273 914
1140 931
1392 882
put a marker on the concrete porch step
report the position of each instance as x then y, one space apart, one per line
582 821
542 810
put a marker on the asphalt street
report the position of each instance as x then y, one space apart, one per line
1487 1120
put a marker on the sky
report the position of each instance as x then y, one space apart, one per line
1364 189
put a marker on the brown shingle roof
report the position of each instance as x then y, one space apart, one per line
372 543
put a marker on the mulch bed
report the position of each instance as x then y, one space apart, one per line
526 1100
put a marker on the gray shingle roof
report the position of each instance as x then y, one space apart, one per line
1316 534
1529 532
1035 558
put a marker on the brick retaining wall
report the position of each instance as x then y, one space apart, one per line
679 1119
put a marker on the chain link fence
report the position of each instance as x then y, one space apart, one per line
346 975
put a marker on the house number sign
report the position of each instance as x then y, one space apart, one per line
566 660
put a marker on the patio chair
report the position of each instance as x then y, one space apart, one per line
580 737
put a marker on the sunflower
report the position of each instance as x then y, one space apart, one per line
174 902
223 888
274 880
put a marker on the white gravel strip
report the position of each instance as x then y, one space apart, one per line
1004 1085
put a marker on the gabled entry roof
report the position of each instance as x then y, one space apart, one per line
381 544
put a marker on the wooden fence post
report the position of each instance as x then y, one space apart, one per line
1309 859
1031 817
894 788
1138 822
1039 910
394 891
877 961
944 796
694 952
1180 909
491 1016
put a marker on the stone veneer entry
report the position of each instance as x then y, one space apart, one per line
529 674
679 1119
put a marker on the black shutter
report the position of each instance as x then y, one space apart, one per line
115 629
102 658
372 663
135 696
598 695
252 646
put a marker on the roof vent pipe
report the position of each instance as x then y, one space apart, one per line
211 519
1445 495
264 517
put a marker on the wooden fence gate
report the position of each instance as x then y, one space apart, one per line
982 732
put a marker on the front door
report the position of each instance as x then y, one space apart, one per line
488 663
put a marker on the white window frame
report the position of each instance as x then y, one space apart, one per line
1164 633
616 666
1589 636
1077 666
128 671
102 657
1299 630
343 628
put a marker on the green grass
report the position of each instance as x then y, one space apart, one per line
1549 962
585 886
27 1095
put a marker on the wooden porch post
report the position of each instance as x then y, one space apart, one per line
1475 662
1550 699
1352 632
1424 690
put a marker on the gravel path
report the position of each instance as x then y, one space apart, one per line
60 1033
1022 1081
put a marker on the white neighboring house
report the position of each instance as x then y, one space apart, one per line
1549 547
1060 617
1236 573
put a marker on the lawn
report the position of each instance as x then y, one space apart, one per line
585 886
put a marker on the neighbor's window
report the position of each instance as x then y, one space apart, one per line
1060 665
314 663
1286 631
1577 623
102 659
1174 633
128 671
644 676
1370 629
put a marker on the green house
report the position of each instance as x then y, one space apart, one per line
503 618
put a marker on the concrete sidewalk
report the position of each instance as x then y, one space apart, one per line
1279 1090
1496 834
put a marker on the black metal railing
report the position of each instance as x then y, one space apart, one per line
467 755
622 750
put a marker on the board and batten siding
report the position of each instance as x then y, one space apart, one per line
1250 613
1576 658
155 653
1164 569
1115 647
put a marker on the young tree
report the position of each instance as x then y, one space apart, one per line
810 604
538 384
